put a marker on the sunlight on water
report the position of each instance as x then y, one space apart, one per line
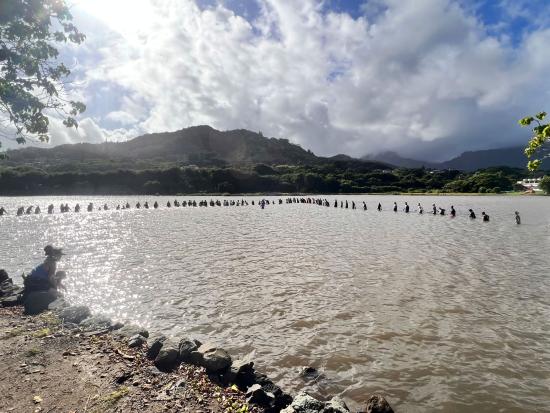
440 314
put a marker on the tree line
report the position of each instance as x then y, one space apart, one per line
338 177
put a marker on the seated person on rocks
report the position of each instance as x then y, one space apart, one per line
44 276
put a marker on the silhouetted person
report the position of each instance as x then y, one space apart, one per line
518 218
441 211
485 217
379 207
2 211
77 208
90 207
346 204
37 210
453 212
364 206
472 213
168 204
155 205
407 208
434 209
335 203
50 209
420 209
146 205
395 207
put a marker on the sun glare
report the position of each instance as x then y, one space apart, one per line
128 17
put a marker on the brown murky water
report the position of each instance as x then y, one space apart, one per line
440 314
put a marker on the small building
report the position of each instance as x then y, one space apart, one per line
530 184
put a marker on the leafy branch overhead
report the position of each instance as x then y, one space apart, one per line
31 76
538 146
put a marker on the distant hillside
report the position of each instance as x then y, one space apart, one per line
394 159
199 145
468 161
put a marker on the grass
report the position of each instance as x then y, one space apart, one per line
113 398
32 352
42 333
14 332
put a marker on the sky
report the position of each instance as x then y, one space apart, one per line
428 79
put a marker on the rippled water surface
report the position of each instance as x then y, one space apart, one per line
439 314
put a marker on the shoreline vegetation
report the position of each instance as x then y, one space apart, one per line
339 177
60 357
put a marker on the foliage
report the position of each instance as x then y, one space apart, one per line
538 144
337 177
545 184
31 78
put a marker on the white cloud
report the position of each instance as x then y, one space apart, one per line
411 75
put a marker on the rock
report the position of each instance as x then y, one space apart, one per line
255 394
96 322
214 359
241 373
136 341
4 276
123 376
167 358
186 348
58 305
156 344
10 301
131 330
336 405
37 301
378 404
74 314
7 288
304 403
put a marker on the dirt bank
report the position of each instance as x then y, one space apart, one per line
46 367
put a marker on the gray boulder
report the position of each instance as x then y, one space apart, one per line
336 405
97 322
167 358
378 404
74 314
136 341
155 346
38 301
58 305
214 359
256 395
131 330
10 301
241 373
186 348
304 403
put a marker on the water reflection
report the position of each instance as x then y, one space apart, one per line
441 314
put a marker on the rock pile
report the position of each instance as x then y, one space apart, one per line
10 294
168 354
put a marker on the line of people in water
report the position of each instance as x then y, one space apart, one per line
435 210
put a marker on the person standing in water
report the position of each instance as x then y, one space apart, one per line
518 218
485 217
364 206
434 209
379 207
472 213
420 209
407 208
2 211
453 212
395 207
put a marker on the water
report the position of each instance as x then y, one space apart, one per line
439 314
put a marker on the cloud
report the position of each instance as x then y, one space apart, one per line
424 77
